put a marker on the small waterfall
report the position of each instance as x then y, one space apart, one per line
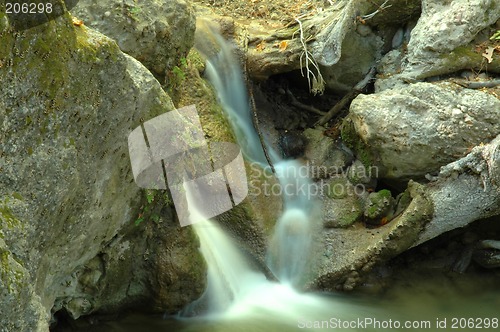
229 275
291 241
234 289
290 245
224 73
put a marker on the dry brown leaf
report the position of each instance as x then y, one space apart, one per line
77 22
283 45
261 46
488 54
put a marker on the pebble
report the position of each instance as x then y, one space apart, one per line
363 30
397 40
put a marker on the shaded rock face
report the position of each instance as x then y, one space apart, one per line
157 32
414 130
155 266
360 51
68 100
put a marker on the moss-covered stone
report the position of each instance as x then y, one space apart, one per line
464 57
12 273
352 140
402 201
338 187
156 33
7 218
410 223
346 211
341 204
194 90
379 207
69 100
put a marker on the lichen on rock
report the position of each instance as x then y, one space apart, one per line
68 102
158 33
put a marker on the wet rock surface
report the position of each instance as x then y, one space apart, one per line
67 193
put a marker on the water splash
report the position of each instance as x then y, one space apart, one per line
237 293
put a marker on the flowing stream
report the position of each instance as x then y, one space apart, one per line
234 290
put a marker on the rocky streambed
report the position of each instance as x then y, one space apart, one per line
395 115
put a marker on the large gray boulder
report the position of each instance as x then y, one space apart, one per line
442 28
410 131
447 38
156 32
68 100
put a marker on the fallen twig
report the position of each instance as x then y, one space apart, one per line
477 85
347 98
300 105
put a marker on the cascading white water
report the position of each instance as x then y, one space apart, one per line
289 247
229 275
234 290
225 75
291 242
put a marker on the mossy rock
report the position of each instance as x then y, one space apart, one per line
342 213
463 57
378 206
192 89
156 33
359 174
352 141
403 201
69 100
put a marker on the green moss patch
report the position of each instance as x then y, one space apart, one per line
352 141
